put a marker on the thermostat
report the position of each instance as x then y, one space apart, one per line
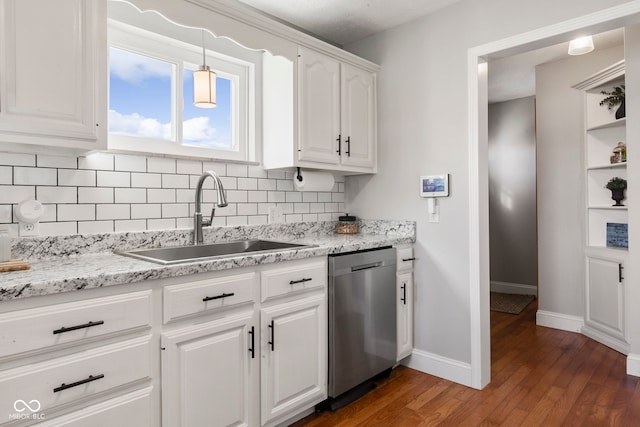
434 185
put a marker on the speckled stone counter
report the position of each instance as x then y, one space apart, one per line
69 263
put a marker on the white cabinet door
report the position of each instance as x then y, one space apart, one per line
53 73
209 373
605 297
294 362
319 107
358 117
405 314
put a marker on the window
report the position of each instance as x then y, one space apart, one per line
151 94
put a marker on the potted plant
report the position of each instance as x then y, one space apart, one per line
615 97
617 186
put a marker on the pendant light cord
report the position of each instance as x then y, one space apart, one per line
204 62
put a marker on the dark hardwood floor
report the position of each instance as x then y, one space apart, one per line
539 377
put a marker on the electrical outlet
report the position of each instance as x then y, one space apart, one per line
26 229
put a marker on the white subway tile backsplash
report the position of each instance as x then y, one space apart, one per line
257 172
219 221
16 193
113 212
276 174
247 209
293 218
157 195
324 197
175 181
316 207
161 165
57 194
171 210
50 213
76 212
234 169
161 224
190 167
58 228
146 180
97 161
257 196
113 179
276 197
130 225
184 222
6 214
326 217
235 196
94 195
218 167
310 197
15 159
287 208
129 163
310 217
236 221
247 184
34 176
63 162
6 175
146 211
79 178
257 220
263 208
293 196
301 208
337 197
130 195
92 227
185 196
267 184
331 207
284 185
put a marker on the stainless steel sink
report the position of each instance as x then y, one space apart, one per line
180 254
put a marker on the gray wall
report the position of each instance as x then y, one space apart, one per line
423 129
512 191
560 151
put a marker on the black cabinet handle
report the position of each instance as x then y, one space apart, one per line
339 150
620 268
404 293
272 343
74 328
91 378
408 259
223 295
253 343
305 279
348 146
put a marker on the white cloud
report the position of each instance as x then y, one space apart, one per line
137 125
134 68
198 131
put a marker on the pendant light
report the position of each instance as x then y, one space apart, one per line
204 84
581 45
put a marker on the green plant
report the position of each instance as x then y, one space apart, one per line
616 183
615 97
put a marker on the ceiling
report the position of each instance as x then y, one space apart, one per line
341 22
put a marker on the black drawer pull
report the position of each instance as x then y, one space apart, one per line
620 278
272 343
74 328
253 342
304 279
64 386
404 293
222 295
408 259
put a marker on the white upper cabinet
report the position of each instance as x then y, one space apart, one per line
53 74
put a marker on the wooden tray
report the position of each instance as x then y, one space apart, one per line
14 265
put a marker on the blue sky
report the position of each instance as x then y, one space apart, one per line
140 102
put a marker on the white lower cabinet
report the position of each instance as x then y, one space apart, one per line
209 373
404 299
294 362
605 310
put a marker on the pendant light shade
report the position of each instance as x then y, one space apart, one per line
204 84
581 45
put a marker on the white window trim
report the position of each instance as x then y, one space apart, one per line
181 54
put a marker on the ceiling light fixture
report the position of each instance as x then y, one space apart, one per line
204 84
581 45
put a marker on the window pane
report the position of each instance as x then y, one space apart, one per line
207 127
139 95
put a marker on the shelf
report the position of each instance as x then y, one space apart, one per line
592 250
618 123
613 208
622 165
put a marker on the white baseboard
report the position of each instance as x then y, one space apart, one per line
633 364
513 288
563 322
443 367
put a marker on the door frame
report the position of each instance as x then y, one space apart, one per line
477 72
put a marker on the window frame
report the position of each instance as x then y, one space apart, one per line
183 55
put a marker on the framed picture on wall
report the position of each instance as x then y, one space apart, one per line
434 185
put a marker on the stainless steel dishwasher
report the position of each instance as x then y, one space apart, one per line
362 321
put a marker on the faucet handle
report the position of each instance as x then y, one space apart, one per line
208 222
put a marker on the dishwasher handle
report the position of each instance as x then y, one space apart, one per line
366 266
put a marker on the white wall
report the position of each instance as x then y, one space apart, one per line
561 181
512 191
422 128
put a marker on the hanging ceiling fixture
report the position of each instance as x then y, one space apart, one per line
581 45
204 84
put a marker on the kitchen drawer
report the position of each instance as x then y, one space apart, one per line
208 295
404 258
131 409
294 277
44 327
65 379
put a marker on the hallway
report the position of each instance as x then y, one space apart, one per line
539 376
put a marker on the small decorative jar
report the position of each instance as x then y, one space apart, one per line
619 153
347 225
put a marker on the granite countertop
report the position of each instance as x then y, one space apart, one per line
70 263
